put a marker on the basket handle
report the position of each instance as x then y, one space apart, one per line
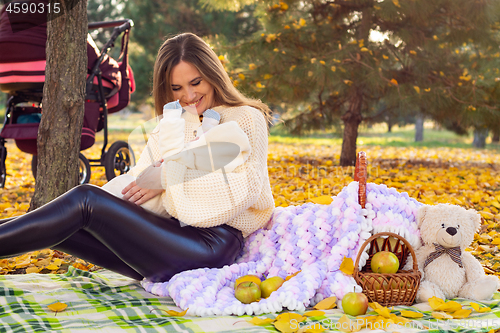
361 249
360 175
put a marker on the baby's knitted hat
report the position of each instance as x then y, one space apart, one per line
209 113
173 109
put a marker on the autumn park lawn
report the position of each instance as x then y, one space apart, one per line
442 169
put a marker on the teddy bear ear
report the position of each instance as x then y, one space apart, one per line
422 211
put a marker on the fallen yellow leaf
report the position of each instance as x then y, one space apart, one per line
383 323
347 266
348 325
316 328
258 321
384 312
322 200
411 314
52 267
313 313
57 307
399 320
173 312
366 319
291 276
441 315
285 326
176 313
496 241
80 266
450 306
33 269
23 263
290 316
434 302
326 304
477 308
43 262
462 313
375 305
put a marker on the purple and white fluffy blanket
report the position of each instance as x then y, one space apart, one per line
311 238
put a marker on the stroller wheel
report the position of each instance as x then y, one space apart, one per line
84 172
3 170
119 159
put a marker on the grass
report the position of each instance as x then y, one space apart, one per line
378 135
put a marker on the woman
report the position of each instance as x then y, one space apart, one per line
217 210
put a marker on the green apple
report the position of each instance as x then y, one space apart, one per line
247 278
355 304
247 292
385 262
270 284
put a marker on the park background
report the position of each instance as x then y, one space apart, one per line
415 84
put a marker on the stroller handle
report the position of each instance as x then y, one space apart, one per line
121 24
120 27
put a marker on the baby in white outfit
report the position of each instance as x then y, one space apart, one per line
172 148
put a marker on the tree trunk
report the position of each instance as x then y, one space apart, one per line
59 134
352 118
496 136
389 126
480 135
419 127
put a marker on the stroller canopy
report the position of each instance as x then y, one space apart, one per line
25 36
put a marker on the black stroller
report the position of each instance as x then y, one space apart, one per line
22 75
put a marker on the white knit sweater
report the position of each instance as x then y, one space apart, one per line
203 198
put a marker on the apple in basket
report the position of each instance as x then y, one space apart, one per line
247 292
354 303
270 284
385 262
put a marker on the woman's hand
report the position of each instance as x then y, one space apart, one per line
139 195
146 187
150 178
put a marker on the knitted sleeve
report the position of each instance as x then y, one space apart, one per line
149 155
206 199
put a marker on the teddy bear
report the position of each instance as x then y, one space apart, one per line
448 271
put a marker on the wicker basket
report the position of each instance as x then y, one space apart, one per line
386 289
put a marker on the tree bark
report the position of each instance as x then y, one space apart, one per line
480 135
496 136
59 134
419 127
389 125
352 118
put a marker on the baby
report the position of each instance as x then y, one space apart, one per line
230 149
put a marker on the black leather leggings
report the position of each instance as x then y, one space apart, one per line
96 226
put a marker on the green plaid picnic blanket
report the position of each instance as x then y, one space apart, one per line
108 302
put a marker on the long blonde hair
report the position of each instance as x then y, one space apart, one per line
192 49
